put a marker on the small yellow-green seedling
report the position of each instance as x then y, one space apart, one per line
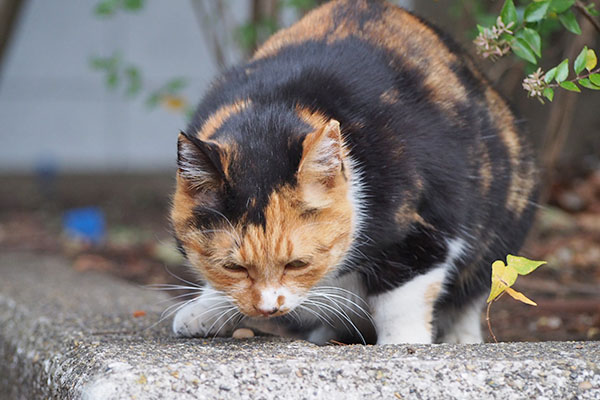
504 276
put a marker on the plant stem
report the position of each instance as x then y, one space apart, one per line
581 7
489 323
487 317
579 77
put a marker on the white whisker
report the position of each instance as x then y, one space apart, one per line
235 314
364 313
316 314
223 314
340 312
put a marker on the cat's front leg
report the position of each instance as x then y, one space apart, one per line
210 314
405 314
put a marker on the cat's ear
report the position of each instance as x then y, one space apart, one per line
322 157
198 163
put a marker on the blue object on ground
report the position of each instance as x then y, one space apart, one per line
85 224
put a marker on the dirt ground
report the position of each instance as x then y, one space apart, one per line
138 246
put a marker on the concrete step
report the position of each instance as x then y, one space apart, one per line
67 334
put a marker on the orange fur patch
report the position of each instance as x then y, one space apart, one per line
216 119
485 170
313 118
289 234
403 34
523 174
398 32
431 294
390 96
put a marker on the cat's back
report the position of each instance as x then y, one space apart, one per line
388 29
359 42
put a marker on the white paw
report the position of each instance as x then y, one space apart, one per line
206 317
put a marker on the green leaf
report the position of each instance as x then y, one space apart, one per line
106 8
135 80
509 13
549 76
99 63
591 8
269 24
247 34
569 21
595 78
532 38
562 70
133 5
522 50
580 61
549 93
587 84
175 85
153 99
560 6
536 11
590 60
112 80
523 265
570 86
302 5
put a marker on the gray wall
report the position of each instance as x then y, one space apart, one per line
55 108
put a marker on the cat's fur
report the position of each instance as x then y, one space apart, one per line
357 164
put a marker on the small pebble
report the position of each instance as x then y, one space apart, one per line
243 333
585 385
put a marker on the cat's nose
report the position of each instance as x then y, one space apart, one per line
267 311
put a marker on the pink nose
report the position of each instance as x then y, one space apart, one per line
268 311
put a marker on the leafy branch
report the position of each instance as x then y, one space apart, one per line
518 30
539 83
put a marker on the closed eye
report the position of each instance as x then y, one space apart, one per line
235 268
296 265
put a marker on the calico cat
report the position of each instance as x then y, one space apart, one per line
354 180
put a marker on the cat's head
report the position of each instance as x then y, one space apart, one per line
264 232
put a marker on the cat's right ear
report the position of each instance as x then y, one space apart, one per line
198 163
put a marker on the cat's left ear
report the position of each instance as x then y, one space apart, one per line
322 157
199 163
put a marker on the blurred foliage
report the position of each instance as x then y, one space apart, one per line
253 32
109 7
120 75
524 29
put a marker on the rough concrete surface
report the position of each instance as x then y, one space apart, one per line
68 334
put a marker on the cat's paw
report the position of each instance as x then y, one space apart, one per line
202 318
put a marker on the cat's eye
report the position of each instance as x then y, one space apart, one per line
296 264
235 268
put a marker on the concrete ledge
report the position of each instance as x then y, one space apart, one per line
56 342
